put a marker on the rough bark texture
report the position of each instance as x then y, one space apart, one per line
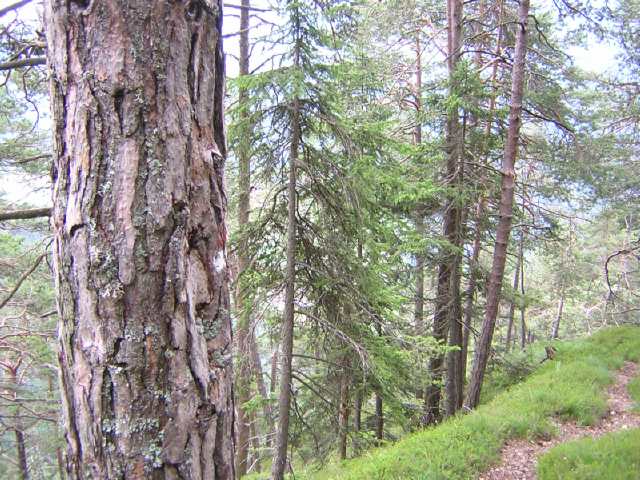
505 211
139 224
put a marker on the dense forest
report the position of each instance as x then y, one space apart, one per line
326 239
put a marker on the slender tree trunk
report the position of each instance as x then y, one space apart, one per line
274 369
379 419
379 412
21 448
484 153
556 322
523 326
472 285
357 411
418 315
284 401
450 300
22 454
255 443
262 388
343 414
243 357
505 211
138 216
512 306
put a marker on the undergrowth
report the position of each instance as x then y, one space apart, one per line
571 387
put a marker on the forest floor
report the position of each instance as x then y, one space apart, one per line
519 456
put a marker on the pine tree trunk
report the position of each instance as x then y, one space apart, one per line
139 226
505 211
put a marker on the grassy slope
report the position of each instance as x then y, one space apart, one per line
615 456
571 386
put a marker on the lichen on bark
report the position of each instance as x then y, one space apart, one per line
139 224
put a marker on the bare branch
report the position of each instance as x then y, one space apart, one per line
25 214
25 62
24 276
242 7
13 6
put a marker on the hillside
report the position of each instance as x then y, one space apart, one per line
571 387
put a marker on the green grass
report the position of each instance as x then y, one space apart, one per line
615 456
571 387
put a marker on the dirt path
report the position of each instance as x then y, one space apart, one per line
519 456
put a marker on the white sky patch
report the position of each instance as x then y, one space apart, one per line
595 58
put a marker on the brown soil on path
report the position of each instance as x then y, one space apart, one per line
519 456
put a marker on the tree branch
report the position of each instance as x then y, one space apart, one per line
24 276
25 214
13 6
25 62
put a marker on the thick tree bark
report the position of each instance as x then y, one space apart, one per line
243 357
505 211
284 400
139 226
